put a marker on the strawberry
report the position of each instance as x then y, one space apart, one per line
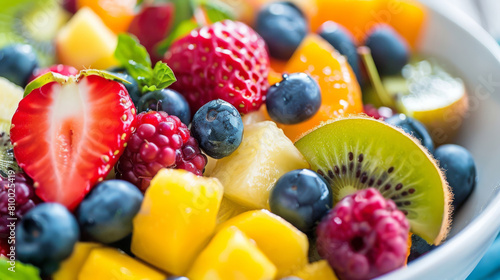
227 60
67 135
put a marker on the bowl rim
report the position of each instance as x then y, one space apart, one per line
486 225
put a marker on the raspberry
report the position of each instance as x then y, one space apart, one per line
25 199
227 60
160 141
364 236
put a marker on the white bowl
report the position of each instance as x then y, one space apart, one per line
458 40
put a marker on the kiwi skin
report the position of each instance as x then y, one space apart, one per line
448 194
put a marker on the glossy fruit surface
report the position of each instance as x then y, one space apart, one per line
116 14
151 25
68 136
283 26
166 100
191 204
295 99
85 42
460 170
284 245
227 60
112 264
132 87
364 236
46 236
343 41
389 50
232 255
414 128
70 267
106 213
340 92
218 128
302 197
160 141
249 173
17 63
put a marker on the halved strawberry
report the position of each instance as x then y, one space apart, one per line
67 136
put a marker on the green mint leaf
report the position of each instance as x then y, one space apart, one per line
17 271
184 10
180 31
217 11
134 58
163 76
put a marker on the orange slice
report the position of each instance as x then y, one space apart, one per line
116 14
340 91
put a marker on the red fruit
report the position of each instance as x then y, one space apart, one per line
4 247
25 200
152 25
68 137
59 68
364 236
227 60
160 141
378 113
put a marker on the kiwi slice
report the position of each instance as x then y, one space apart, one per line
359 152
33 22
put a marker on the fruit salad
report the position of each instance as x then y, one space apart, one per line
215 140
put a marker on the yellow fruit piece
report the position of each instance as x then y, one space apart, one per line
265 154
70 268
255 116
229 209
320 270
112 264
231 255
86 42
282 243
176 220
10 96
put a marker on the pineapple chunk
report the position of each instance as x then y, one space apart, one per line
320 270
112 264
177 219
86 42
231 255
70 268
264 155
282 243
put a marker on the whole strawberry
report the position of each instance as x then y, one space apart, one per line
160 141
227 60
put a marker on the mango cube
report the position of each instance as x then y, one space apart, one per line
86 42
319 270
70 268
177 219
282 243
112 264
231 255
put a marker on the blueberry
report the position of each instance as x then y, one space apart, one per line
343 41
106 213
302 197
389 50
218 128
46 235
419 247
132 88
413 127
17 63
293 100
460 171
166 100
283 26
177 278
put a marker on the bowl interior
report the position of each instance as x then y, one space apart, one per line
475 57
